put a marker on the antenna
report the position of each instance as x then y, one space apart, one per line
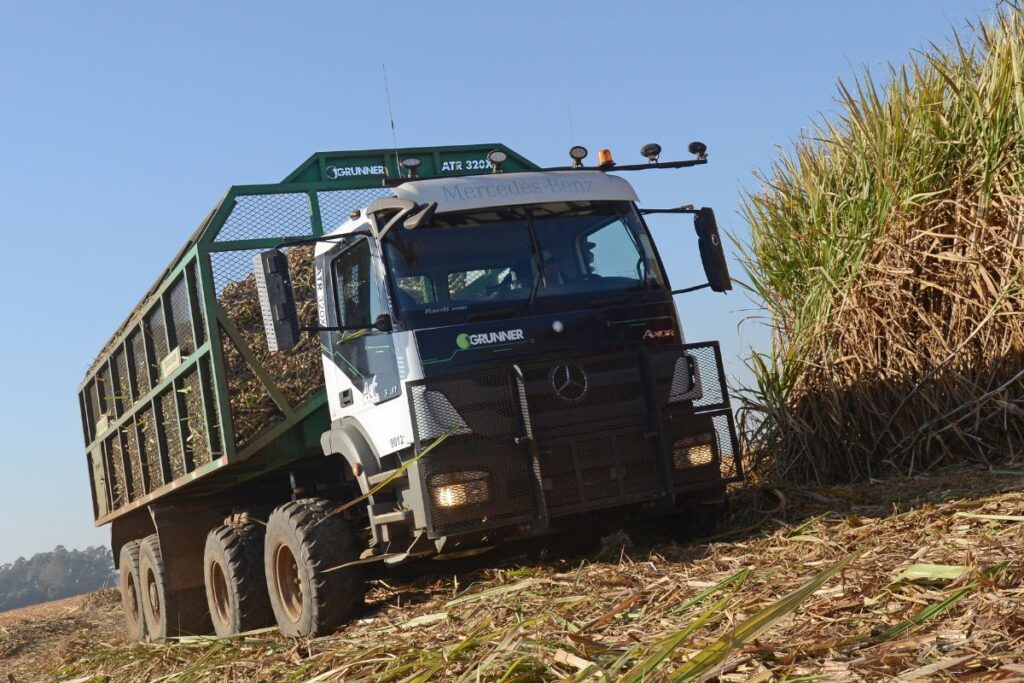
391 118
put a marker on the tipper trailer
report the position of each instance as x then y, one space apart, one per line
394 355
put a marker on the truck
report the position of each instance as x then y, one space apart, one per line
393 356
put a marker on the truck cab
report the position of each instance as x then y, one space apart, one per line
503 359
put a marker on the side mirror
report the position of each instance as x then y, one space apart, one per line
277 300
711 253
383 323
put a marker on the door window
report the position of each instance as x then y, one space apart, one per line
365 355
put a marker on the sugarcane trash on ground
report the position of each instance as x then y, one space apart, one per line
933 589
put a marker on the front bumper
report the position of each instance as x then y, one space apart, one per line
524 447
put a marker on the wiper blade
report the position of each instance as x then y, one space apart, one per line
493 313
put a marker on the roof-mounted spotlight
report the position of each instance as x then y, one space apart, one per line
497 158
699 149
578 153
652 150
412 165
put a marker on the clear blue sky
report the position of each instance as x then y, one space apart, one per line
122 123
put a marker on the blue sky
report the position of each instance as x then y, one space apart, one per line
122 123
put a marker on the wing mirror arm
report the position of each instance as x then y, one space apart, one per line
709 242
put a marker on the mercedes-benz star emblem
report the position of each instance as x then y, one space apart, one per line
569 382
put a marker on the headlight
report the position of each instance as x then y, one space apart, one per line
693 451
453 489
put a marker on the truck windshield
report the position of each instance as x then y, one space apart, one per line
503 261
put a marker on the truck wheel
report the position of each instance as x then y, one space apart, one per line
236 585
168 613
131 595
303 544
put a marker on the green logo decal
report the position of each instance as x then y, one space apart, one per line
462 341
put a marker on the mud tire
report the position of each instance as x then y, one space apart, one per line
235 581
168 613
303 544
131 593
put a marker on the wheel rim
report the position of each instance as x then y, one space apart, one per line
221 598
153 591
287 583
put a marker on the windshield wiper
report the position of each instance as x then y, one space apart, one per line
493 313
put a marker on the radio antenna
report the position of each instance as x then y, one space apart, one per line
391 118
572 133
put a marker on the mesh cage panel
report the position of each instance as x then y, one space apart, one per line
479 461
465 470
89 395
195 419
137 346
156 337
122 396
336 205
181 316
193 273
172 433
705 451
104 395
298 372
119 488
729 466
268 215
134 459
252 408
213 419
150 449
696 377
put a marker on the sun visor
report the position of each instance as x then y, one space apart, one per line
505 189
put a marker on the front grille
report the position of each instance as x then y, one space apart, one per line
596 471
614 394
594 449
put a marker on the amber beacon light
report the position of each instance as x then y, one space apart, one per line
604 158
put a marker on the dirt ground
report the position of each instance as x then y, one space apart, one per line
35 641
523 622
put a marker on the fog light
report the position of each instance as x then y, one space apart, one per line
453 489
693 451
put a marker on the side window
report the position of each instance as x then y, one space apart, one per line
611 252
366 356
353 284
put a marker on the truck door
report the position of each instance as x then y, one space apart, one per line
365 356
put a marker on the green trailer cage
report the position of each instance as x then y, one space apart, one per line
186 387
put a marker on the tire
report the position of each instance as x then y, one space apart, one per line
131 594
168 613
236 584
302 543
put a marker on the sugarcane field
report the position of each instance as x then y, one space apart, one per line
490 411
